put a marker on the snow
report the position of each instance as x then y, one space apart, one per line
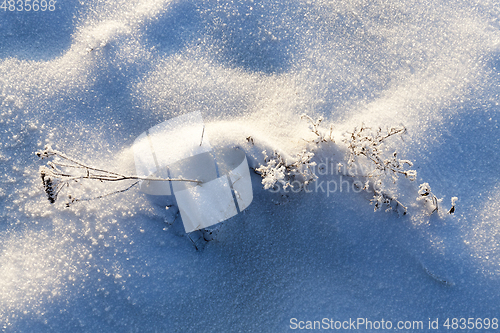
89 77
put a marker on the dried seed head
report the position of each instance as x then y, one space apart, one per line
51 185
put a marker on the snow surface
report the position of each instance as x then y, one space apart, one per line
89 77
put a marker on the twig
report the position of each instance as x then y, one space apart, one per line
192 241
106 176
202 133
100 196
54 179
426 193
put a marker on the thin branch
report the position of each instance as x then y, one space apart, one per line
101 196
54 179
392 131
202 133
48 152
192 241
107 176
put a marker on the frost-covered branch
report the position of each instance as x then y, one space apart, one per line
429 199
383 199
277 170
365 147
322 136
63 170
364 141
453 203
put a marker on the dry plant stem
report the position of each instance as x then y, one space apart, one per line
106 176
314 124
369 142
427 195
54 180
315 129
101 196
435 203
392 131
390 198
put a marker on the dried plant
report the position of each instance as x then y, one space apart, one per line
366 150
382 199
364 141
453 203
277 170
315 127
62 170
429 199
368 143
